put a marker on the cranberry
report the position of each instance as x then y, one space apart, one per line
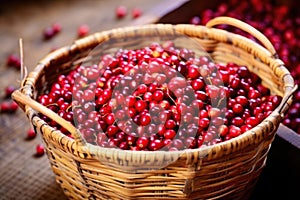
158 95
142 142
169 134
48 33
140 105
223 130
195 20
235 83
13 61
51 31
83 30
252 121
124 146
145 119
56 27
30 134
9 90
40 150
8 107
193 72
136 12
237 108
234 131
155 145
121 12
204 122
237 121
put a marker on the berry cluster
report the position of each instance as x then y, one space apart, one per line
159 97
121 11
51 31
8 105
13 61
280 23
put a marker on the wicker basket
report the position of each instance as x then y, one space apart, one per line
228 170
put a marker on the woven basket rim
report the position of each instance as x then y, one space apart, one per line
28 84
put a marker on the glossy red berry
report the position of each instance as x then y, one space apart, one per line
13 61
40 150
121 12
142 142
83 30
136 12
30 134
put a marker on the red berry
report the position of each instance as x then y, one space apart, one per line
112 130
145 119
234 131
193 72
169 134
158 95
237 108
121 12
170 124
48 33
140 105
40 150
204 123
8 107
4 107
31 134
195 20
13 61
142 142
83 30
156 145
136 12
223 130
56 28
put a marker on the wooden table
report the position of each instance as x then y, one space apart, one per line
23 176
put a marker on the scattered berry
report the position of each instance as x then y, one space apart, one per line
9 90
83 30
121 12
8 107
195 20
51 31
56 28
13 61
40 150
31 134
136 12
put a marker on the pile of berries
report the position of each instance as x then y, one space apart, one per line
159 97
280 22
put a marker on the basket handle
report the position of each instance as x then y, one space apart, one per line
283 106
245 27
23 99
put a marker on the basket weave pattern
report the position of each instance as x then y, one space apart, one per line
228 170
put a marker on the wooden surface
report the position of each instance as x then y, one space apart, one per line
23 176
